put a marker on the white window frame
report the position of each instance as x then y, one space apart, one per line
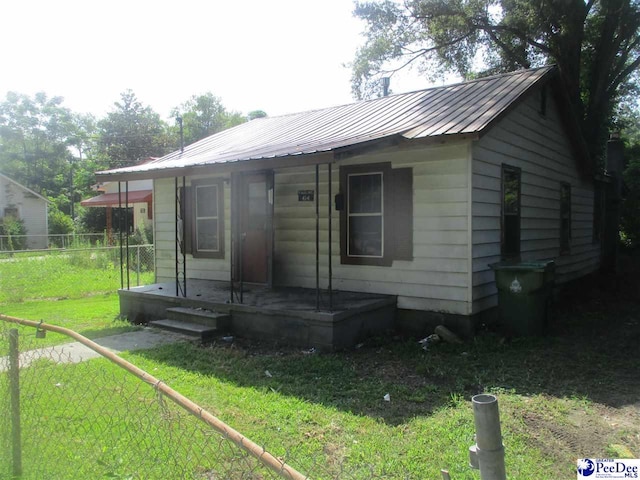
380 214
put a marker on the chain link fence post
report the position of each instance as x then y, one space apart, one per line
14 380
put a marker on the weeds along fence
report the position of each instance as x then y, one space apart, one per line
105 418
69 273
52 240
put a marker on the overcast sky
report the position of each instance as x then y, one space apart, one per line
280 56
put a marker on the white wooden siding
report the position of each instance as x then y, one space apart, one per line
32 210
165 234
539 146
438 277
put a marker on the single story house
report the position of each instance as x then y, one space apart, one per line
402 201
20 202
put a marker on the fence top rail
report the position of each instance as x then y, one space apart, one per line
236 437
72 249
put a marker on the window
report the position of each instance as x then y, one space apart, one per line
543 101
207 231
365 215
510 212
11 212
376 215
565 218
203 214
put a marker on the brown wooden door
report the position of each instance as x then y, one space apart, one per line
255 227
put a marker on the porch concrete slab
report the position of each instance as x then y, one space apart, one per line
76 352
285 314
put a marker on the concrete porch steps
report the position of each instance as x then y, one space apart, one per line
200 316
203 332
195 322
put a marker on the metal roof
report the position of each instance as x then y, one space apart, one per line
467 108
112 199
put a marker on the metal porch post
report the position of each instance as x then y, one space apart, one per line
330 239
120 232
317 237
180 231
232 234
126 226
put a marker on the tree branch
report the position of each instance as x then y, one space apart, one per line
619 78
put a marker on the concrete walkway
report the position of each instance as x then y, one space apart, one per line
76 352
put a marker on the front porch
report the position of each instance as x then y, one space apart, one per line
281 314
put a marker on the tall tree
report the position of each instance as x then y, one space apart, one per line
595 44
204 115
34 135
130 133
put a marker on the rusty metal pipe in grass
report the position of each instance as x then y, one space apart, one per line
236 437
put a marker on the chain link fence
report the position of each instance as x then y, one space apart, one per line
11 243
73 273
95 419
69 419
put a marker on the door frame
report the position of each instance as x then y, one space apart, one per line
240 204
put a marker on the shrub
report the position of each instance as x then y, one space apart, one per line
15 231
59 224
629 215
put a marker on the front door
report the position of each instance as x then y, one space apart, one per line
256 207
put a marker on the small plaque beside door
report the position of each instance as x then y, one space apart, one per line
306 195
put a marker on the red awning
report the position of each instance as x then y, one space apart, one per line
111 199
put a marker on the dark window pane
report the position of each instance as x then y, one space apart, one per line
565 200
565 218
365 193
365 236
510 211
511 192
207 234
207 201
511 235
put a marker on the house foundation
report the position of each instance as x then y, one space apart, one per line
282 315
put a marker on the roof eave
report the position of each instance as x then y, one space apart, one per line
284 161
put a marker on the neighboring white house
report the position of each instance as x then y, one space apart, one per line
20 202
427 190
138 197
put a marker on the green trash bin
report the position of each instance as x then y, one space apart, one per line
524 295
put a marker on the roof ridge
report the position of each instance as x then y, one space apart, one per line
434 87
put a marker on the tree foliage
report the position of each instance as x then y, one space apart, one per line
594 43
630 208
252 115
130 133
34 135
203 115
56 152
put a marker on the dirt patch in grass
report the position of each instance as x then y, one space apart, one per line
591 433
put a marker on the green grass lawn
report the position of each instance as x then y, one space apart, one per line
570 394
71 274
95 316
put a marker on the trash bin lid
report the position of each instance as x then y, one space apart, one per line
535 266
